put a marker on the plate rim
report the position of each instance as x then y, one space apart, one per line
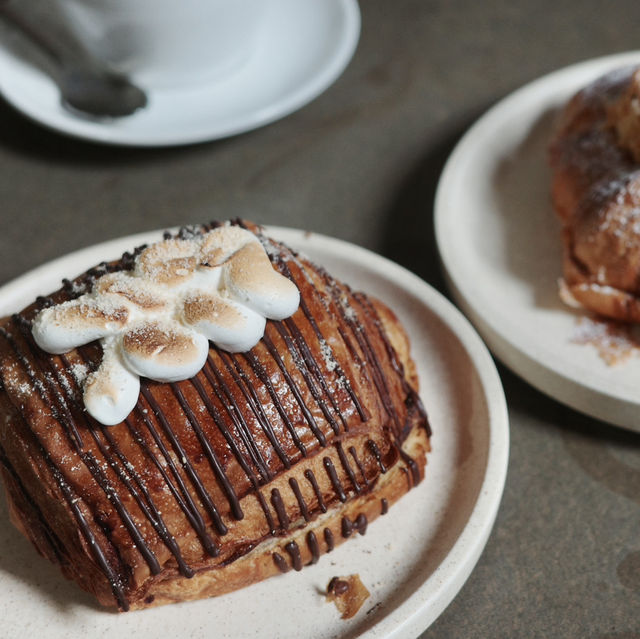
490 494
419 609
327 72
584 396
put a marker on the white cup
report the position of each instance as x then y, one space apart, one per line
167 44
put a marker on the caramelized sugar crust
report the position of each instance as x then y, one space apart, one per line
261 463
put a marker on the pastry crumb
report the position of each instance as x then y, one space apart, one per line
348 594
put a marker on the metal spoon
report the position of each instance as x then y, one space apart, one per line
86 86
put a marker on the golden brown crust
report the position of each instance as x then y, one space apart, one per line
215 482
596 193
296 550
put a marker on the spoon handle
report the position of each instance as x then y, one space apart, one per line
47 44
85 86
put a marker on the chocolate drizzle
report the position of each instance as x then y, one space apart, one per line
294 552
234 502
347 467
373 447
233 409
280 562
53 393
292 385
306 365
329 539
354 454
262 376
52 540
284 268
316 489
236 417
147 504
346 527
278 504
361 523
180 492
314 547
207 443
412 466
335 480
304 511
186 464
226 398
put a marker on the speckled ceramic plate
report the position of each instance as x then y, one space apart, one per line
413 560
500 243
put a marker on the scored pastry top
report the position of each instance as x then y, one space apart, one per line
157 319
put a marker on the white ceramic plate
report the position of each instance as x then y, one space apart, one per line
413 560
500 244
306 46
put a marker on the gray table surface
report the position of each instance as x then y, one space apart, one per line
361 163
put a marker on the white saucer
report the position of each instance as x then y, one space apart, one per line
306 46
500 243
413 560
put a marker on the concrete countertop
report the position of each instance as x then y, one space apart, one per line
361 163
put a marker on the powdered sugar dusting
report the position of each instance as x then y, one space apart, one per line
327 356
615 342
79 372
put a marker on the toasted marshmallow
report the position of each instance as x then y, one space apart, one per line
249 278
136 293
170 262
111 392
156 321
231 326
60 328
164 352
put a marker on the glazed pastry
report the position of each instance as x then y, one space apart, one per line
202 414
595 162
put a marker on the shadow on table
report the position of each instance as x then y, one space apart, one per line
409 237
30 139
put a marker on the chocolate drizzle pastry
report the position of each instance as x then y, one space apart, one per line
259 464
595 162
